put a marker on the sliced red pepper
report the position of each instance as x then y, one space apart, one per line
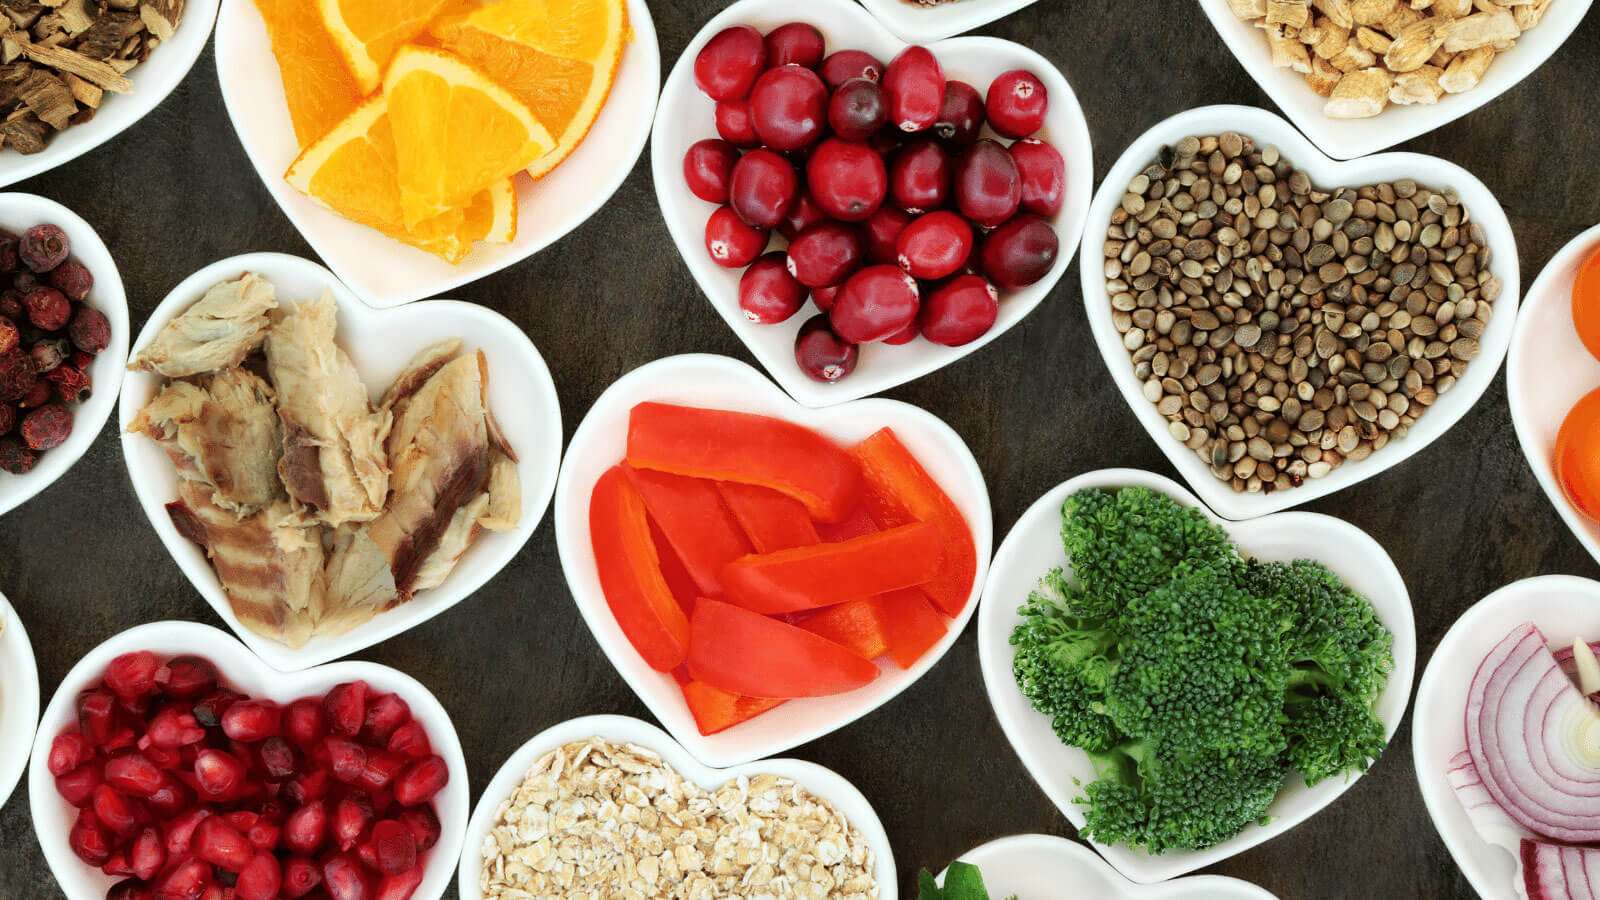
630 573
771 520
683 588
855 625
733 446
825 574
911 625
717 710
747 653
901 491
691 515
857 524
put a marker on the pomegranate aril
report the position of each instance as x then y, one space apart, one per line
184 677
847 180
875 303
122 738
707 166
136 708
130 889
260 880
735 124
173 726
763 189
264 835
802 215
67 752
306 828
959 312
844 65
410 740
1043 173
914 83
822 297
132 674
768 293
186 881
988 187
961 117
90 840
934 245
280 761
729 63
344 879
1017 104
400 887
147 854
177 833
821 354
882 230
97 715
1019 253
381 768
218 773
346 707
420 780
209 710
345 758
730 242
423 823
313 785
219 843
132 773
77 787
394 847
165 758
304 722
300 877
118 866
919 177
251 721
121 815
351 818
789 107
825 255
858 109
795 44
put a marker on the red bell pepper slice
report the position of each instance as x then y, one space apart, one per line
691 515
733 446
771 520
857 524
747 653
901 491
630 573
825 574
857 626
717 710
911 625
683 588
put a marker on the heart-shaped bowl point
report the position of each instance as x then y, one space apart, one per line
19 699
383 271
1349 138
686 116
1035 866
1547 371
915 23
1564 608
720 383
824 783
242 671
152 80
380 343
1268 129
1033 548
19 212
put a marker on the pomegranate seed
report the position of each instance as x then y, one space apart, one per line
735 124
1017 104
858 109
217 890
209 710
420 780
394 846
822 298
132 674
919 177
935 245
279 760
187 676
344 879
707 168
381 768
763 189
959 312
171 798
802 215
346 758
147 854
306 828
915 85
304 722
122 815
729 63
173 726
410 739
795 44
730 242
67 752
264 835
97 715
1019 253
822 354
848 181
424 825
882 230
218 773
961 118
987 185
825 255
847 64
132 773
346 706
178 832
165 758
1043 173
122 738
300 877
89 839
875 303
242 819
137 708
400 887
130 889
189 880
351 818
789 107
118 866
260 880
310 786
252 720
77 786
219 843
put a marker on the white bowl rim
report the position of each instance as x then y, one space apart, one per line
917 24
19 701
1083 857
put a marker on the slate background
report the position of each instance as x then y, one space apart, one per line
175 192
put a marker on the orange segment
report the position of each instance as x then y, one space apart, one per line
492 215
318 86
368 33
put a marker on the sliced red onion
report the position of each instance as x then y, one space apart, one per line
1560 872
1488 819
1535 739
1585 670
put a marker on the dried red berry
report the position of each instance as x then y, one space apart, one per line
47 427
17 377
90 331
48 308
15 457
9 259
10 337
8 418
73 279
37 396
11 305
47 355
43 247
72 384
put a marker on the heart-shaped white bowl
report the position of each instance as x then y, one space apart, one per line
824 783
1266 128
383 271
1349 138
916 24
1548 370
380 342
19 699
152 79
721 383
1564 607
1033 548
1035 866
52 816
685 117
19 212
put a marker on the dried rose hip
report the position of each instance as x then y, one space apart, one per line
48 308
90 330
47 355
73 279
9 250
17 377
10 337
37 396
12 307
8 418
72 384
43 247
47 427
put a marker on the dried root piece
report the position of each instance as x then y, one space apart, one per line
1288 53
1288 13
1414 46
1372 12
1466 70
1360 95
1248 9
1484 29
1337 11
1420 85
1324 77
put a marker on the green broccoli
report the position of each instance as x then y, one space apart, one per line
1065 663
1123 543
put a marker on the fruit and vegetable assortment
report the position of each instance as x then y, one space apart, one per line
1530 771
759 561
49 336
186 788
1575 462
1197 679
903 217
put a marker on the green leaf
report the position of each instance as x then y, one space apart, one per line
927 887
963 881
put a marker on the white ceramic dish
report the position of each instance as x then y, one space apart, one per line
685 117
1548 370
1042 866
18 212
1267 128
385 272
19 699
824 783
380 342
1348 138
53 816
1033 548
722 383
152 79
1564 608
916 24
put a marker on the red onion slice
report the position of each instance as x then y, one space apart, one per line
1557 872
1488 819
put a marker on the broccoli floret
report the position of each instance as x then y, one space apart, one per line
1162 799
1337 643
1331 735
1126 542
1064 663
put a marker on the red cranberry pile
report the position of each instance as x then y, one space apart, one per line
48 338
901 218
187 790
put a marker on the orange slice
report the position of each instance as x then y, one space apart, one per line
368 33
492 214
316 82
456 132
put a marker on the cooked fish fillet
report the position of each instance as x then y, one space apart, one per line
333 457
222 328
222 433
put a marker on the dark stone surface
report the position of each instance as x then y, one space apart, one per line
175 192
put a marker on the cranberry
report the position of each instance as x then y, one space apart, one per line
707 167
796 44
300 877
875 303
914 83
306 828
735 123
218 773
802 215
904 336
730 62
350 819
423 824
343 878
1044 176
122 815
260 880
186 881
410 740
133 774
730 242
394 846
1019 252
67 752
1017 104
847 180
823 297
73 279
822 354
987 185
187 676
768 294
847 64
935 245
961 117
420 780
789 107
763 188
43 247
89 839
48 308
825 255
858 109
919 177
883 233
959 312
